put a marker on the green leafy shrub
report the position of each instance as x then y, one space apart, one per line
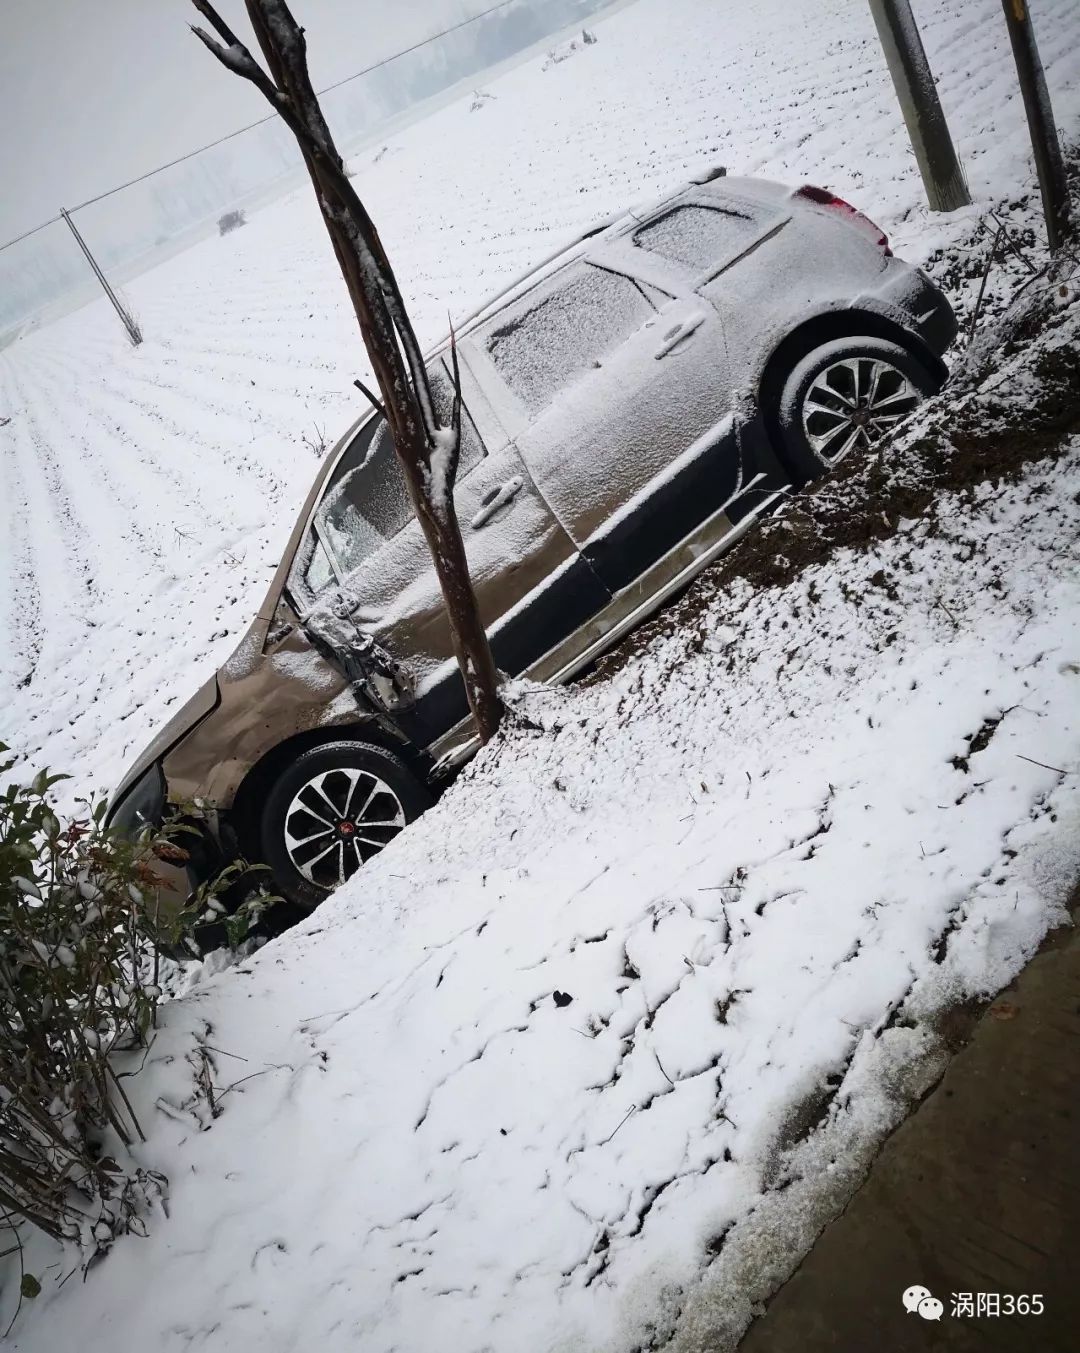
81 937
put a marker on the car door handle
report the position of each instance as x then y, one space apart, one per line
495 499
676 335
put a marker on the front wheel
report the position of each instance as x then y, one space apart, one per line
846 395
332 810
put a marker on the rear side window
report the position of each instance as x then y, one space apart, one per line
566 333
697 238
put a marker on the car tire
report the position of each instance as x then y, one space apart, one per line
308 848
847 395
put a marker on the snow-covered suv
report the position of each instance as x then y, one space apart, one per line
630 408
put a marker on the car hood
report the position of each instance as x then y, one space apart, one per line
202 703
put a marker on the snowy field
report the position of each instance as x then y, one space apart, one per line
758 859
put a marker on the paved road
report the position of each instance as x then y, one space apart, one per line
978 1192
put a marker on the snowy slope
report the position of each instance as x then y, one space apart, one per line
758 859
146 493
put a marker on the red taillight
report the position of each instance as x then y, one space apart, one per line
821 197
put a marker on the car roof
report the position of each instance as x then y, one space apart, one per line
714 181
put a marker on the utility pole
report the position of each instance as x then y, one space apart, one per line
914 83
1049 163
134 333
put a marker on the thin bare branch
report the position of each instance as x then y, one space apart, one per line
372 398
455 412
239 60
219 25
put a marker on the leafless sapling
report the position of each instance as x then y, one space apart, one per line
426 447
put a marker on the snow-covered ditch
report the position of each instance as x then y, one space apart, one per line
585 1059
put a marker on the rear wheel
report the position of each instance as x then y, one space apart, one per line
331 811
846 395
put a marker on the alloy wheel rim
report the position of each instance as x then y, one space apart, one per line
338 821
854 403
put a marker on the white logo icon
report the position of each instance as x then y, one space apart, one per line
920 1300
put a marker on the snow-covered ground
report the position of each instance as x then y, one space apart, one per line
757 859
587 1058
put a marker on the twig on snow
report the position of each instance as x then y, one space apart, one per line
222 1053
633 1109
1056 769
982 285
1014 248
242 1079
316 444
204 1081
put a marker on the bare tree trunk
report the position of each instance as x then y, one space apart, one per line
428 451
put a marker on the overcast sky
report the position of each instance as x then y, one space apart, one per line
95 92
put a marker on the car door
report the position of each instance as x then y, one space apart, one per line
720 243
367 561
613 387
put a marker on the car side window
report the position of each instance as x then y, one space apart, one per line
442 390
318 572
569 330
697 237
366 502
